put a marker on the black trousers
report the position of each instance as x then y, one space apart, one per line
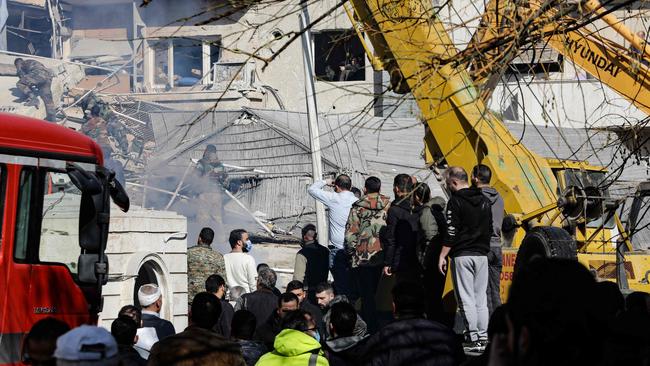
495 263
366 280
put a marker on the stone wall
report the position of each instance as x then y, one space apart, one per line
141 239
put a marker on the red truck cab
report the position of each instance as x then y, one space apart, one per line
54 213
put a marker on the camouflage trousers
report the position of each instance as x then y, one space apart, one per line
210 208
44 91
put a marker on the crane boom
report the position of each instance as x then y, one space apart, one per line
506 25
410 42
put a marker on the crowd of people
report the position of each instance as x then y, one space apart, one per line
388 261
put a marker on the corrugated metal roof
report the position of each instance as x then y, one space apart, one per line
277 142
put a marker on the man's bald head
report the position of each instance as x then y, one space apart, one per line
456 178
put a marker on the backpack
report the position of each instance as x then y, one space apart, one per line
427 253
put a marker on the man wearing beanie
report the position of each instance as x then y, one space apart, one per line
150 299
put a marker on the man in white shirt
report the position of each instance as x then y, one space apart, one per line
339 204
240 266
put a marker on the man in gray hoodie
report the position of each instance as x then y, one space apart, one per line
481 176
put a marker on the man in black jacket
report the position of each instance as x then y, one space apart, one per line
411 339
261 302
312 262
297 288
343 348
216 285
124 330
271 326
402 227
469 218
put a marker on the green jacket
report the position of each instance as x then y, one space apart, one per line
364 230
294 348
202 261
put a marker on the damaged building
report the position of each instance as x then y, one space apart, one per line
173 79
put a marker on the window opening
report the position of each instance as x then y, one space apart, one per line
339 56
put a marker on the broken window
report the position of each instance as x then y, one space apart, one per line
339 56
539 59
29 29
182 62
161 62
188 61
211 56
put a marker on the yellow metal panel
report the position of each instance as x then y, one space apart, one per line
409 35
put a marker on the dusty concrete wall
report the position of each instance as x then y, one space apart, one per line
66 76
280 257
253 32
137 239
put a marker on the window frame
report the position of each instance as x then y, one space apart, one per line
353 38
35 224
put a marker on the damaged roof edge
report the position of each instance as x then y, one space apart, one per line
35 3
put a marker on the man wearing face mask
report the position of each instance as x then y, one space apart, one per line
240 266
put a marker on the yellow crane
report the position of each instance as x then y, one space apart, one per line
544 196
507 27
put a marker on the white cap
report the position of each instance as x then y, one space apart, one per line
148 294
86 343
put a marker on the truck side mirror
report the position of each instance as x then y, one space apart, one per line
84 181
119 195
89 222
89 267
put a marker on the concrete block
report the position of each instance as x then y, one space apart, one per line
176 263
180 303
180 323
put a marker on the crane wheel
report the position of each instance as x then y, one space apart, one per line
545 242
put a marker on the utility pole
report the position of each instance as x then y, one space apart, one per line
312 118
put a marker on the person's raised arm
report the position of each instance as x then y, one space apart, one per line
316 191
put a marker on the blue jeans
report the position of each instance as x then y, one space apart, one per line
340 268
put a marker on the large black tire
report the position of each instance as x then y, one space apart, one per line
545 242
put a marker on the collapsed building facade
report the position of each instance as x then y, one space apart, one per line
176 79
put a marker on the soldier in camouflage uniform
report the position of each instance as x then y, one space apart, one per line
34 80
363 234
95 128
203 261
210 190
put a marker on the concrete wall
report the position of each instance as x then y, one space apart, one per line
137 238
254 33
66 76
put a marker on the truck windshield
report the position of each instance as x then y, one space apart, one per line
59 240
47 227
